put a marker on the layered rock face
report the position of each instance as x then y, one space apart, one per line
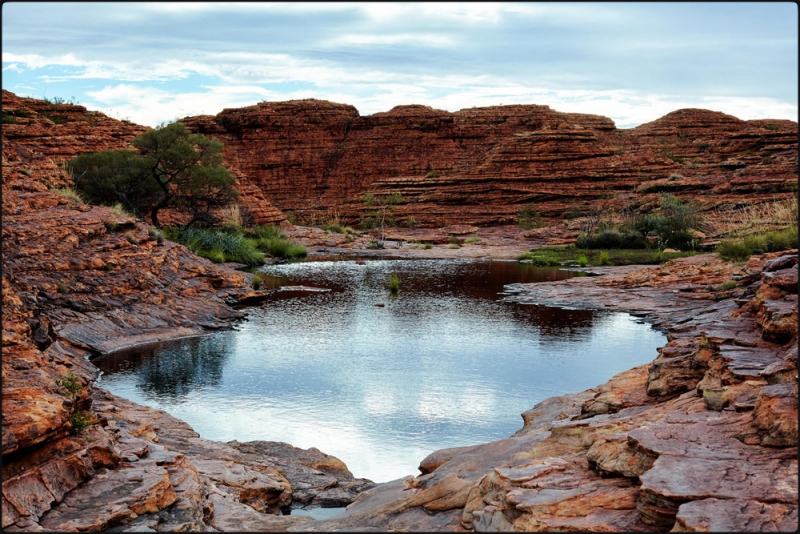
481 166
39 138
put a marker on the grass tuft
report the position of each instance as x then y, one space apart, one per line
394 283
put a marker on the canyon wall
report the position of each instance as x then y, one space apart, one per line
316 159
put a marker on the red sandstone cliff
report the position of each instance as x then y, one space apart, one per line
318 158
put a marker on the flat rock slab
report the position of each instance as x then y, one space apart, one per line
112 497
735 515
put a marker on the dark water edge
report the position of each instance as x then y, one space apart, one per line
442 364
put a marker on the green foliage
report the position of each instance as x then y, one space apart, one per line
368 223
9 119
71 383
741 249
278 247
111 226
583 261
603 259
724 286
172 167
217 245
132 239
394 283
540 257
528 218
62 288
80 421
258 280
612 239
155 234
427 246
411 222
471 240
432 174
267 232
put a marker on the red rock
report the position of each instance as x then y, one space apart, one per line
735 515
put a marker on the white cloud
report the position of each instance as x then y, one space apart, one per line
414 39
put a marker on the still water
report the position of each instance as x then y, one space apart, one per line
444 364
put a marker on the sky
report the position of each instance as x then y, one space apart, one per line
633 62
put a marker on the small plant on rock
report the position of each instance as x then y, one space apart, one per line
583 261
62 288
394 283
80 421
258 281
71 383
603 259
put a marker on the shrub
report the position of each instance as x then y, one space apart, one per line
427 246
70 382
111 226
258 280
741 249
155 234
278 247
9 119
582 261
454 242
611 239
603 258
219 246
432 174
264 231
528 218
471 240
62 288
80 420
394 283
540 257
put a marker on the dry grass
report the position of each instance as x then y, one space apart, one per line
753 219
232 216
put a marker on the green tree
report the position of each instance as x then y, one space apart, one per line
173 167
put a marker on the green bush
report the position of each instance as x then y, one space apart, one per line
258 280
603 258
281 248
80 420
583 261
426 246
70 382
741 249
62 288
611 239
540 257
267 231
219 246
432 174
394 283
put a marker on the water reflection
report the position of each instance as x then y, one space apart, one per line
444 364
171 371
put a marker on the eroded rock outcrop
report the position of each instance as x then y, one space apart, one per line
481 166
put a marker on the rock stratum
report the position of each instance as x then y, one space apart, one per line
481 166
703 439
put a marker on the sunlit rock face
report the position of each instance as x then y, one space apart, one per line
481 166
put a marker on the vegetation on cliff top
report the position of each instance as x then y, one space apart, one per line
171 167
